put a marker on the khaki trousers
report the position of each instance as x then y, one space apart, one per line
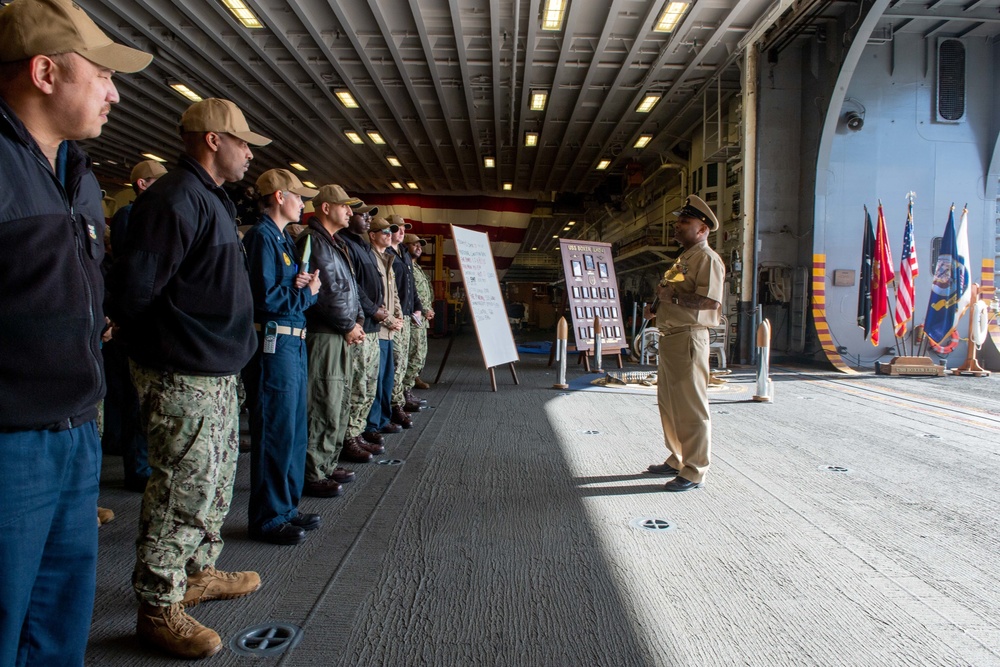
682 395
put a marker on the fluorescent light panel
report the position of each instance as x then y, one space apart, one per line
411 185
310 184
489 162
242 13
150 156
376 138
354 137
603 164
508 186
397 185
538 99
185 91
346 99
552 14
298 166
671 16
643 140
530 138
647 104
394 161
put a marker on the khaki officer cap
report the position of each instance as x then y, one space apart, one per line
399 222
334 194
147 169
413 238
695 207
222 116
381 224
282 180
31 28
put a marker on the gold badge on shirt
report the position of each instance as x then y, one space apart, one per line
288 260
675 274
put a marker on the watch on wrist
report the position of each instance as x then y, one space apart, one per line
674 300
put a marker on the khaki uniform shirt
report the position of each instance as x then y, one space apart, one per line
384 265
699 270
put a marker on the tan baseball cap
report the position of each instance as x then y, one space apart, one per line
364 208
217 115
381 224
413 238
147 169
31 28
282 180
334 194
695 207
399 222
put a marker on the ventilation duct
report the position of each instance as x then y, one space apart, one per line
950 81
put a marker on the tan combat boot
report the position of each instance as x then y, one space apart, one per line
212 584
104 515
171 629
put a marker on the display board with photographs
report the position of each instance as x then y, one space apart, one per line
592 291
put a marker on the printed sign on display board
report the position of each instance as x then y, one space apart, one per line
592 291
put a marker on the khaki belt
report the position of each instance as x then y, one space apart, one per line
287 331
668 331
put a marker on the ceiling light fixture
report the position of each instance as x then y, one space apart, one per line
309 184
566 229
555 236
354 137
397 185
394 161
530 138
298 166
571 223
552 14
603 164
508 186
346 99
489 162
647 104
376 138
186 92
538 100
643 141
411 185
671 16
150 156
243 14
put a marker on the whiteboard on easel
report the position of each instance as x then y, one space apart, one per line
482 293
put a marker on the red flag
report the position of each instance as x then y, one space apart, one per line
907 272
882 275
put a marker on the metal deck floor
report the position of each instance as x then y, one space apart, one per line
505 537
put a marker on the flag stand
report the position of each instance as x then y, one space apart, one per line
971 365
909 366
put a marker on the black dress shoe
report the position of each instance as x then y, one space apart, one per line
662 469
286 535
391 428
306 521
681 484
342 475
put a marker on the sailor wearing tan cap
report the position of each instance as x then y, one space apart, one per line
689 299
56 87
143 175
379 417
181 296
418 334
336 334
275 379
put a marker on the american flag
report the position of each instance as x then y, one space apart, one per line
907 272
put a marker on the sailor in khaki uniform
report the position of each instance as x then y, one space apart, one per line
689 301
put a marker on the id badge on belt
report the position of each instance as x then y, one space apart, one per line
270 337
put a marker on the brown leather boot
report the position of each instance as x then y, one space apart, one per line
413 398
354 453
370 447
420 384
212 584
400 417
104 515
171 629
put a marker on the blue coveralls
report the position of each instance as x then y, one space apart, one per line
276 383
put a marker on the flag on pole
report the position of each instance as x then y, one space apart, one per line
865 279
950 289
882 275
907 272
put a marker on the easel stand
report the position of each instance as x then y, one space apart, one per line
447 351
493 375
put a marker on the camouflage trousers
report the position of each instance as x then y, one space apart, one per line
331 367
401 359
418 355
364 381
192 425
